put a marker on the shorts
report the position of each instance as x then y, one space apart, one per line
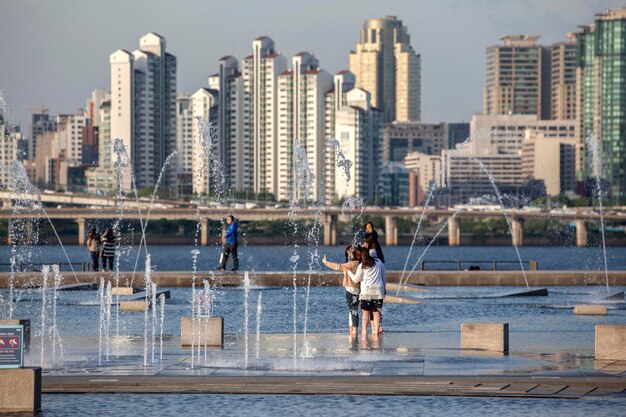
372 305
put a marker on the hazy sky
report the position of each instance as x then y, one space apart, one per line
55 52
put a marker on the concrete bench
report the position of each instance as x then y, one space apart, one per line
611 342
209 330
485 336
20 390
590 310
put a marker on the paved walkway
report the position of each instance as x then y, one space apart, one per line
397 364
483 386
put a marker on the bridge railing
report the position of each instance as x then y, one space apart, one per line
36 267
471 265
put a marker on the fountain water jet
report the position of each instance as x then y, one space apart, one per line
596 164
259 312
246 314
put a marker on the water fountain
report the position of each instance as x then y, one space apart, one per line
246 316
498 194
595 166
259 313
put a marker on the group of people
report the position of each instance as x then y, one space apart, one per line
101 247
364 279
364 275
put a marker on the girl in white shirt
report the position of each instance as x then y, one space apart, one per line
371 274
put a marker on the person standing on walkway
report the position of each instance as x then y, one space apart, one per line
229 241
108 250
93 246
352 288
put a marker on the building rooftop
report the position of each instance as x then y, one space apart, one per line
520 40
612 14
312 72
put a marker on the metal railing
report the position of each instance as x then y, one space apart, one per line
22 266
469 265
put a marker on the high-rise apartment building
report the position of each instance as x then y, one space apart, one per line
70 130
143 107
343 82
182 166
102 179
514 82
9 139
206 161
524 77
235 152
601 98
301 121
260 72
563 60
386 66
358 130
41 122
402 138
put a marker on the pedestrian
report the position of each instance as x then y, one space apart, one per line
369 273
369 243
229 241
370 233
108 249
93 246
352 288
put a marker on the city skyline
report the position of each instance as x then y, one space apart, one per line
32 79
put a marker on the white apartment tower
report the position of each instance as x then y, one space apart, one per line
9 136
357 128
204 105
235 153
143 107
386 65
301 120
182 168
260 112
343 82
70 131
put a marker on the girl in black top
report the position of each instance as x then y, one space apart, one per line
108 250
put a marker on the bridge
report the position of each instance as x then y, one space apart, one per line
327 216
72 199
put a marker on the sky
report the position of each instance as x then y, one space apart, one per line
55 52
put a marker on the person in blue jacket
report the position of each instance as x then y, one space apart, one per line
229 241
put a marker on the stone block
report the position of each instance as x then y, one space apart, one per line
392 299
590 309
26 324
485 336
122 291
611 342
209 329
135 305
20 390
